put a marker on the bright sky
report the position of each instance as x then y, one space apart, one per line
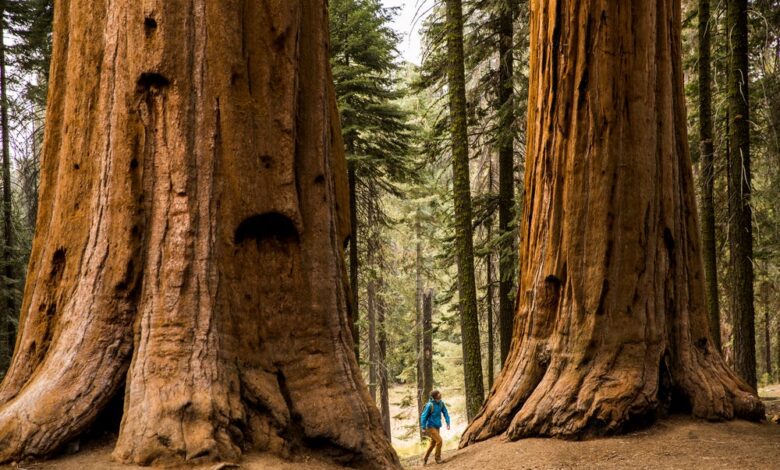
408 23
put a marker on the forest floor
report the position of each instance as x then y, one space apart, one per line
675 443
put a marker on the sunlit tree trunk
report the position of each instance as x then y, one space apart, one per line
194 208
612 325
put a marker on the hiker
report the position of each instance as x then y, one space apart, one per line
430 421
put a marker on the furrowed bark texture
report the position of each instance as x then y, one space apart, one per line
194 206
612 326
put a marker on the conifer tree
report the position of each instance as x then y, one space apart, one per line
376 134
464 242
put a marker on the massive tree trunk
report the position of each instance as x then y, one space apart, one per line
464 237
740 215
506 178
612 326
194 207
707 177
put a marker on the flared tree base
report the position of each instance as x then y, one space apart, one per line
193 213
611 394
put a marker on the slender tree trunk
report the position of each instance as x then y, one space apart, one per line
740 218
372 347
777 348
506 170
489 289
464 239
354 261
767 346
384 392
612 327
418 319
489 315
189 250
9 307
428 342
709 248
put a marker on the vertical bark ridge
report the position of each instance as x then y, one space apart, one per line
611 328
200 233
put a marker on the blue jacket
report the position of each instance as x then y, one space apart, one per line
431 415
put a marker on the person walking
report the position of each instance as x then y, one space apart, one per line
430 421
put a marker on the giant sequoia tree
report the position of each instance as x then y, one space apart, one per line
193 213
611 327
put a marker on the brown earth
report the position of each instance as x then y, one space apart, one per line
678 442
675 443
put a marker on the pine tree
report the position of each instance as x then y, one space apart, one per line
740 214
506 158
472 358
707 176
376 134
8 304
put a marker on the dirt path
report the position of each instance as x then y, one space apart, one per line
98 457
675 443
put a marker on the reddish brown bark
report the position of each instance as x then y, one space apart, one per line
194 207
611 328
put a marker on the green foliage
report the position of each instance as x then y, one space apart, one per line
365 73
30 21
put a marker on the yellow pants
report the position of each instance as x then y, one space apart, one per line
435 443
